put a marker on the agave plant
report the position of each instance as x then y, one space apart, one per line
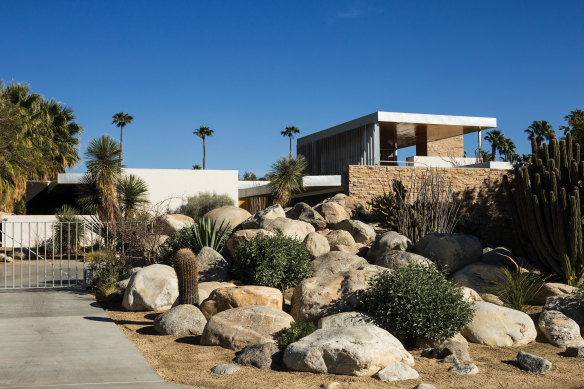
203 233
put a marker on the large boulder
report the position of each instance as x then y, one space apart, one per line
184 319
305 213
346 319
205 288
454 349
396 371
152 288
171 223
493 325
332 213
560 330
361 232
271 212
479 276
388 241
394 259
316 244
338 238
258 355
357 351
568 305
241 296
212 266
229 215
241 236
451 250
288 227
240 327
350 204
551 289
317 297
499 256
335 262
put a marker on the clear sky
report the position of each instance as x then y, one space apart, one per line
247 69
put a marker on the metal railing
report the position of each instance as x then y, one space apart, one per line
59 254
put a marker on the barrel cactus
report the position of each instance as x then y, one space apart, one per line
546 201
185 265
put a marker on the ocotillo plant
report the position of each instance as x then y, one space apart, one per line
545 202
185 265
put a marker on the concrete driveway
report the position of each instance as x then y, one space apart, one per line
63 339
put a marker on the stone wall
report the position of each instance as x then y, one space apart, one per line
449 147
484 202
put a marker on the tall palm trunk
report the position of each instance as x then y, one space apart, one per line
493 151
204 153
121 137
290 147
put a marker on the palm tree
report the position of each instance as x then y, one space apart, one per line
507 149
120 119
103 176
133 194
496 138
540 130
202 133
286 178
289 132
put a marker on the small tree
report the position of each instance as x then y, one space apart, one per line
286 178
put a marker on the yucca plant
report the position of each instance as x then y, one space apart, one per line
68 231
517 288
286 177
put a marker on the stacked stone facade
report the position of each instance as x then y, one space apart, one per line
448 147
481 190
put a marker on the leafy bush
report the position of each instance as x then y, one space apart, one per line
384 208
517 288
105 275
417 301
203 233
294 333
275 261
197 206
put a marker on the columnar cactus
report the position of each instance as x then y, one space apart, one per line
546 208
185 265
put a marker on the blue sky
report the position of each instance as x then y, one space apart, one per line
247 69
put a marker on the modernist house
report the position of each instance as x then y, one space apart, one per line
376 138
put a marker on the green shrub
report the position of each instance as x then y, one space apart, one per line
294 333
105 275
517 288
203 233
197 206
384 208
276 261
417 301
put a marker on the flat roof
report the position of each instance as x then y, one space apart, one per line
407 125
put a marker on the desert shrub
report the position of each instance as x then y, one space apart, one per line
106 272
286 177
417 301
197 206
517 288
384 208
294 333
68 231
275 261
203 233
580 296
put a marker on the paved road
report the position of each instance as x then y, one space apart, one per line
62 339
41 274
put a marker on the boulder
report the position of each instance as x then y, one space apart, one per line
357 351
493 299
560 330
533 363
258 355
152 288
335 262
551 289
205 288
470 295
229 215
287 227
389 241
171 223
316 244
224 368
396 371
568 305
499 256
454 251
350 204
271 212
361 232
305 213
5 258
346 319
317 297
456 347
493 325
223 299
240 327
184 319
238 237
211 266
332 213
464 369
424 386
394 259
575 352
356 249
479 276
339 238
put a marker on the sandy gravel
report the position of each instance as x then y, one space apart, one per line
183 360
